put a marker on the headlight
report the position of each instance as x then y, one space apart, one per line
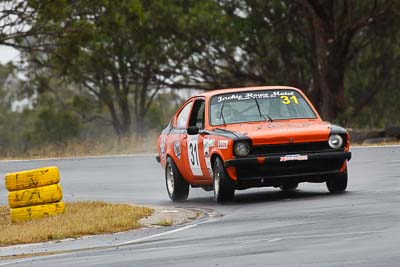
335 141
242 149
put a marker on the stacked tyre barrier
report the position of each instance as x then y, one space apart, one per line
34 193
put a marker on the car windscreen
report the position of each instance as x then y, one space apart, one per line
253 106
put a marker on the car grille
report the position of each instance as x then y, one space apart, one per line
290 148
288 168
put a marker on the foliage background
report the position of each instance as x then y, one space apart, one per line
107 73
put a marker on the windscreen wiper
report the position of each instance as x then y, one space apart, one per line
262 113
221 114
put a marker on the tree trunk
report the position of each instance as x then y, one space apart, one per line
330 55
125 116
120 121
141 97
333 26
139 125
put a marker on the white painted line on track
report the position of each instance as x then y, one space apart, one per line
88 157
277 239
157 235
134 241
329 235
14 262
32 259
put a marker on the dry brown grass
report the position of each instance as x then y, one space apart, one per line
80 218
92 147
165 222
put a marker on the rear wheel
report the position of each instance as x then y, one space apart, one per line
289 187
224 187
337 183
177 187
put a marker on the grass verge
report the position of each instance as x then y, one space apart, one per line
392 143
88 147
80 218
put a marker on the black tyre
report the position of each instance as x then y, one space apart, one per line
177 187
337 183
289 187
224 187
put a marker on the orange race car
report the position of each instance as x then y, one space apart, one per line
234 139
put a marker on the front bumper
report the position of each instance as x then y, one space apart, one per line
275 166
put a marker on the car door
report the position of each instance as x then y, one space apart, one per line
190 149
197 156
187 148
180 141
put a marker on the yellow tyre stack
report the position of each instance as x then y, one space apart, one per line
34 193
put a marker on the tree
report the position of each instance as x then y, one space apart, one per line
339 31
53 126
306 43
343 53
119 53
15 18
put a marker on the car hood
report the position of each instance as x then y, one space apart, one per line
282 132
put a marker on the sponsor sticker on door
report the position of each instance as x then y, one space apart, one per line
193 155
223 144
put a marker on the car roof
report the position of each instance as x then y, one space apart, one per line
245 89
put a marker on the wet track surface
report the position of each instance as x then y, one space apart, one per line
262 227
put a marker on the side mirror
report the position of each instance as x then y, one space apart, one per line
192 130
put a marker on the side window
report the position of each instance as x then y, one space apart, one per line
197 116
182 119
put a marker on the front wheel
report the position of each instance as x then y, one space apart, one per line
177 187
224 187
337 183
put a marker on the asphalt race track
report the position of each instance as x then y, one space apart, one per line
263 227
